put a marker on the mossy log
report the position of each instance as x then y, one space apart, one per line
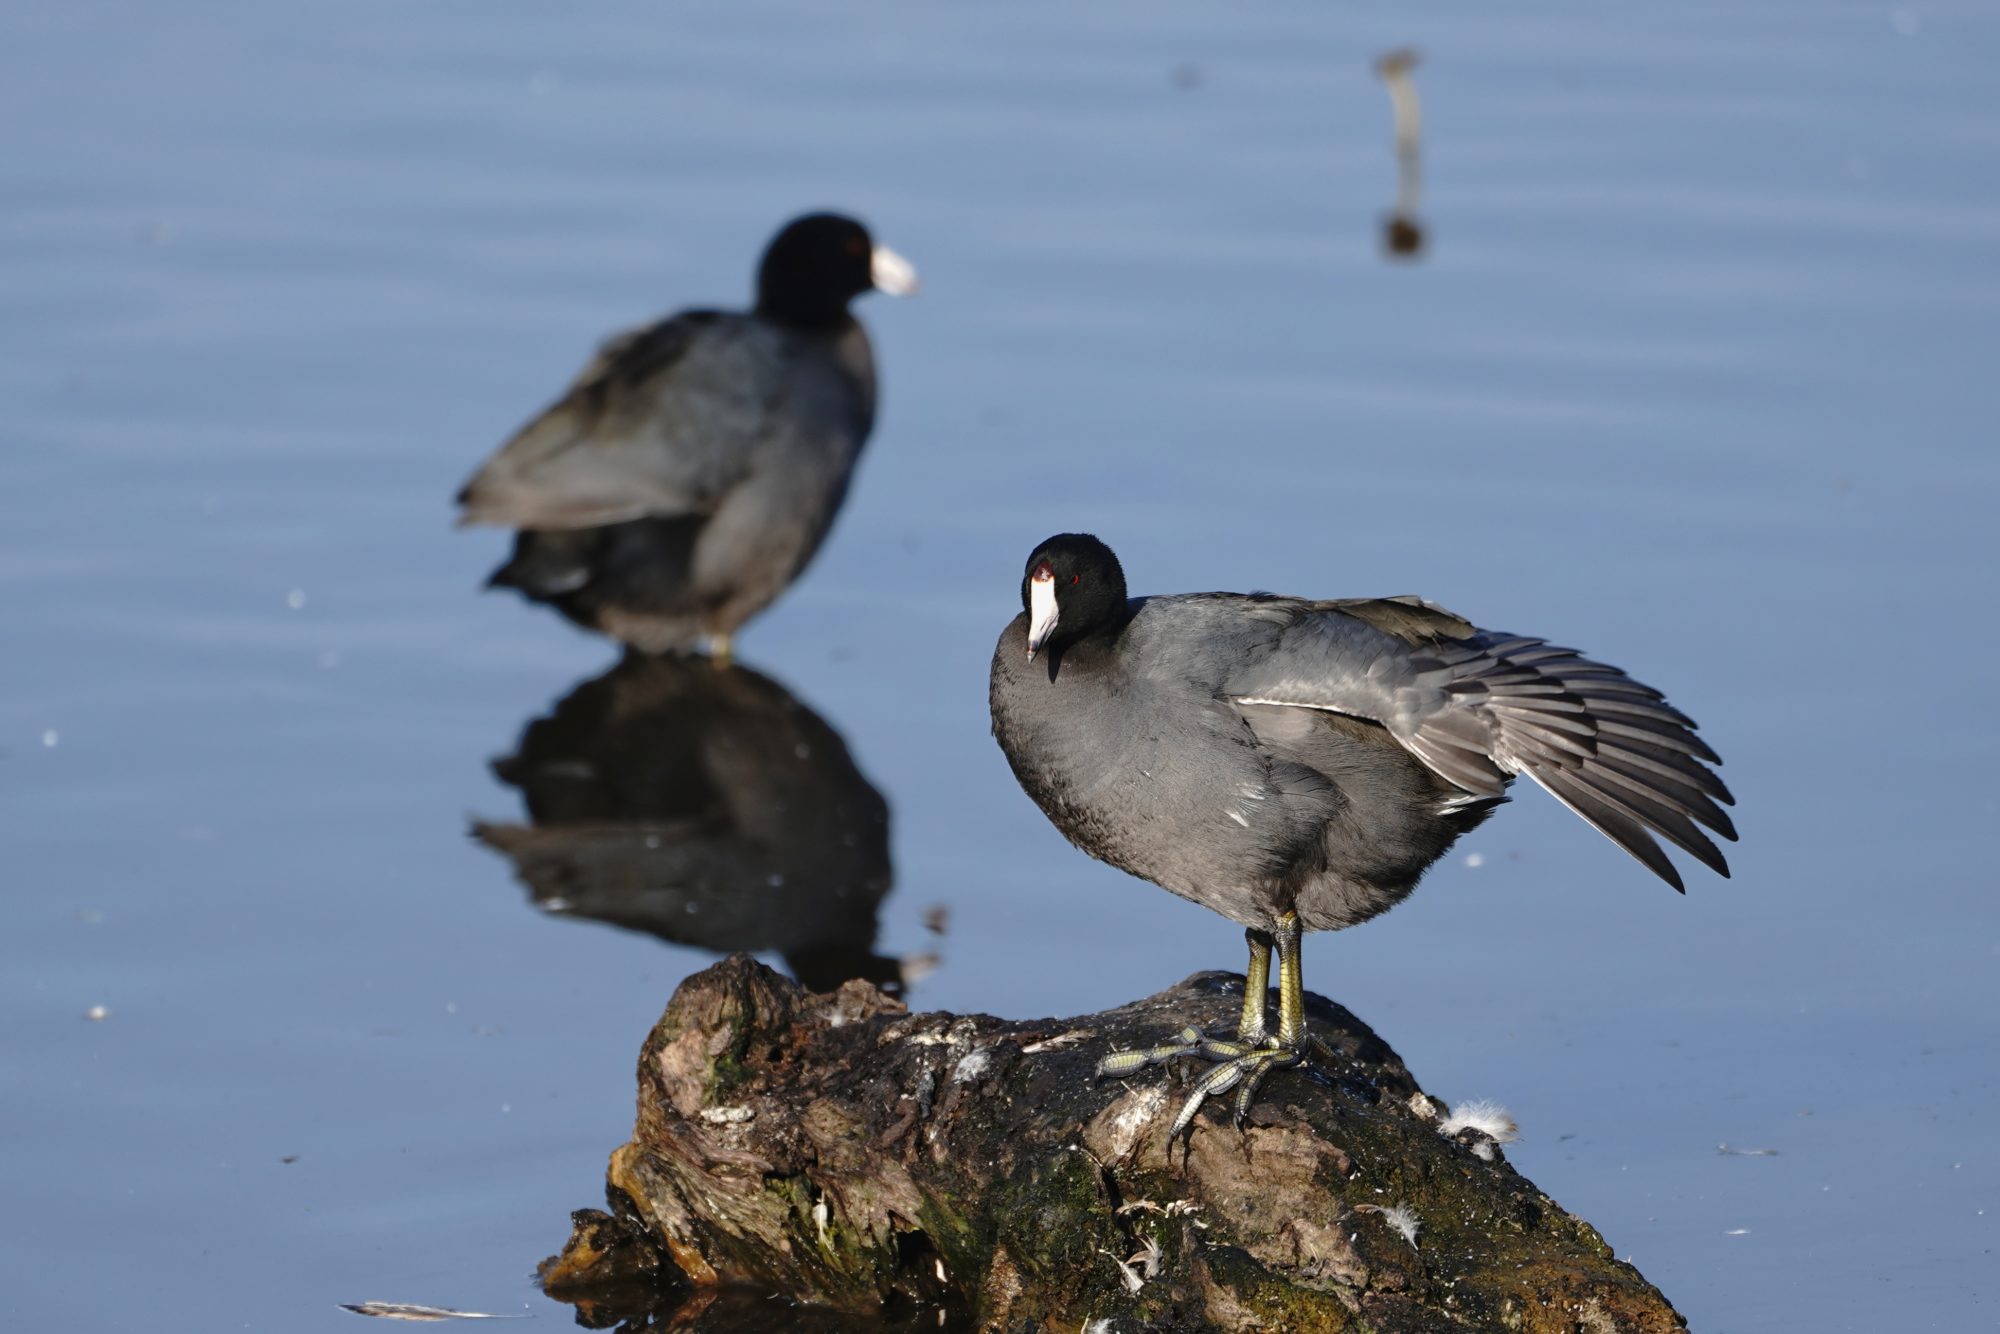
969 1172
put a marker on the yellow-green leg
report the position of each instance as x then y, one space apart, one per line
1256 988
1244 1063
1250 1031
719 649
1294 1038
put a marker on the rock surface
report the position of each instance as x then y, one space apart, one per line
968 1172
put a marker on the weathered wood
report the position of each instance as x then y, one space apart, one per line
966 1170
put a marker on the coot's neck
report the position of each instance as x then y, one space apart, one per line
1096 645
806 311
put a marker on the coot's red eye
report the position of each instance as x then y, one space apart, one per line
1076 579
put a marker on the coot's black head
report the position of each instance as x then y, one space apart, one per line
819 263
1073 587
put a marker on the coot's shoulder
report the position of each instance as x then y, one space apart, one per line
697 352
1203 636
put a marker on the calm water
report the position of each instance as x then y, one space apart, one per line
1698 374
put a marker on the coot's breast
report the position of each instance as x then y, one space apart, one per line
1150 773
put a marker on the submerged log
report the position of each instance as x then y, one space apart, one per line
969 1172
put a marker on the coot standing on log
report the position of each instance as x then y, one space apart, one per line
1297 765
694 466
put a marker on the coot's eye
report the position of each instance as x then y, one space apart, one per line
1076 579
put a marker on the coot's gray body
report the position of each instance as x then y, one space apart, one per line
694 467
1145 751
1297 765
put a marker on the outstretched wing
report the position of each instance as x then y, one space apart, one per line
1477 707
662 421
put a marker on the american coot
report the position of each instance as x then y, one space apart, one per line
694 466
1297 765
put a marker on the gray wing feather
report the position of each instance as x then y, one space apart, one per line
1481 707
663 421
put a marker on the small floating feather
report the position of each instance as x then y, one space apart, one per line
407 1311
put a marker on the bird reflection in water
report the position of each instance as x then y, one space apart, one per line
708 806
1402 231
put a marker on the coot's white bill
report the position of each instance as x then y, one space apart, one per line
891 273
1042 610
